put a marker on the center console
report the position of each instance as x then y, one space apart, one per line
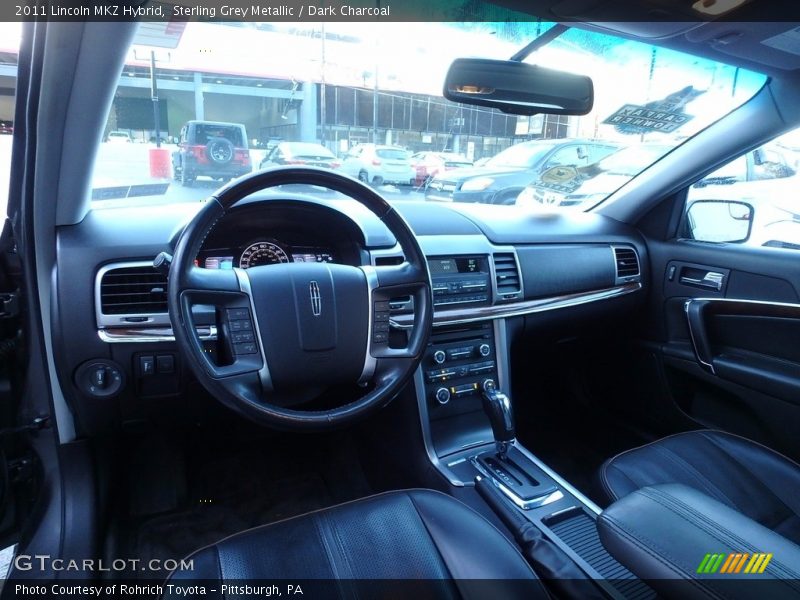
463 395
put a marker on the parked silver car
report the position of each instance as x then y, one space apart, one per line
376 164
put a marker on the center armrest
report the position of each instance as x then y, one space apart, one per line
689 545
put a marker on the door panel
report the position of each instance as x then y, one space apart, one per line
733 365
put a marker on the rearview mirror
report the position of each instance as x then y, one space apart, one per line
518 88
720 221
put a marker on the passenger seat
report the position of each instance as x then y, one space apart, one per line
750 478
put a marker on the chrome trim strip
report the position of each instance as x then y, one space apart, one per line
508 493
738 301
147 335
103 320
244 286
370 362
516 309
558 479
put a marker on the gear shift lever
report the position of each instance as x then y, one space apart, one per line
498 408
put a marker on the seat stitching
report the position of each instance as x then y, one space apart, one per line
744 467
701 520
342 549
656 552
704 482
625 475
219 570
604 481
328 553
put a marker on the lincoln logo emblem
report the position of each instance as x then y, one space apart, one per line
316 299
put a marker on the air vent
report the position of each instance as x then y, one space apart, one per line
507 275
135 290
627 263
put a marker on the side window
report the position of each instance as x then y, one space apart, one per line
752 201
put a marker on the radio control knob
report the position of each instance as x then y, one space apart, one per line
484 349
443 395
439 357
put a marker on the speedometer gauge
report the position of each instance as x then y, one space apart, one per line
262 253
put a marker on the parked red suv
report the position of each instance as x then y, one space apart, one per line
211 149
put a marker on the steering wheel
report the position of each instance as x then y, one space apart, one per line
297 326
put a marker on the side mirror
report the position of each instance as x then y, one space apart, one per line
518 88
720 221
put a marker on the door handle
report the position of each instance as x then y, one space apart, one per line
710 281
697 332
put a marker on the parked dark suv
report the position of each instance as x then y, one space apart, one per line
211 149
504 176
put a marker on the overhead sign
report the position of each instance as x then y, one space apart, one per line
664 116
160 34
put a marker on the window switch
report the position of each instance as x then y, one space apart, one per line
146 366
165 363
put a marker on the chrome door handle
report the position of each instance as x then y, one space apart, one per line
711 280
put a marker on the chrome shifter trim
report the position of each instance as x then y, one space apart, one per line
509 493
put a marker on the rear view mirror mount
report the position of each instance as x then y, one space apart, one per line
518 88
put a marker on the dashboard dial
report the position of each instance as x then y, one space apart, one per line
262 253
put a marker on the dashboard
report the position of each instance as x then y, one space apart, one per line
485 264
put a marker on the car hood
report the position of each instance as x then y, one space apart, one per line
459 175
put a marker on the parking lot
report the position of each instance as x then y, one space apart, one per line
125 164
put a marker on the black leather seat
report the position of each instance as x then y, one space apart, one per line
410 535
750 478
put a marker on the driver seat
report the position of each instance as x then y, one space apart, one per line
404 535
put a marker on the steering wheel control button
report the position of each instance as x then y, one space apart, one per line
99 378
246 348
235 314
238 337
147 366
380 322
241 325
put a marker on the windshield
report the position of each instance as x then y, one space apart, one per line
371 94
633 159
522 156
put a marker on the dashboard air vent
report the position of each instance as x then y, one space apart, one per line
507 275
133 291
627 263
